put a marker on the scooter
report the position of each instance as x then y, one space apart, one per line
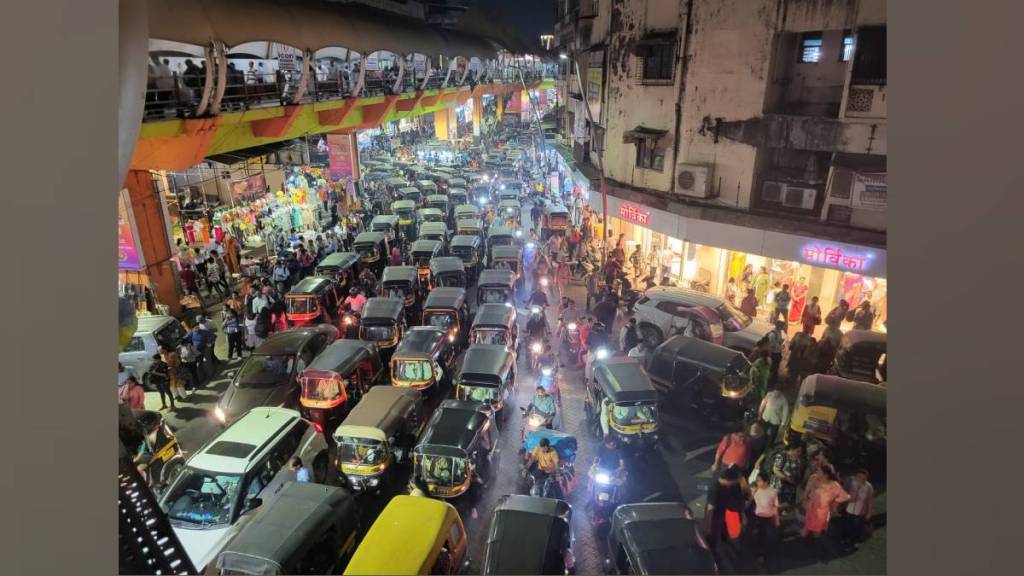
604 493
534 420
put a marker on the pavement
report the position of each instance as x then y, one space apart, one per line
678 472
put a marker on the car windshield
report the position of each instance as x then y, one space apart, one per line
378 332
301 304
490 336
412 370
732 319
479 392
264 371
169 334
441 470
493 295
443 320
322 389
202 499
633 415
361 451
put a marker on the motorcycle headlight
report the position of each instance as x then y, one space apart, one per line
536 347
519 233
348 320
544 282
546 371
535 420
602 478
219 414
530 245
572 326
601 353
372 482
535 310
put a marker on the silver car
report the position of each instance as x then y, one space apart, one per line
152 332
657 318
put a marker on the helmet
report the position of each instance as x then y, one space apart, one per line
353 291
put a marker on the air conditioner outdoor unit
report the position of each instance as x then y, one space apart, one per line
773 191
796 197
692 180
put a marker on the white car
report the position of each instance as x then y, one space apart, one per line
151 333
236 472
662 311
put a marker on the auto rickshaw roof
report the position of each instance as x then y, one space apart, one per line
496 278
443 264
838 392
485 360
463 208
465 241
396 181
509 203
864 337
430 211
378 308
474 221
398 274
433 226
659 539
507 252
426 183
500 231
387 218
403 205
697 351
383 408
369 237
454 425
624 380
457 181
555 209
425 246
437 198
404 539
493 314
282 530
452 189
310 285
339 260
527 536
419 342
289 341
445 297
344 355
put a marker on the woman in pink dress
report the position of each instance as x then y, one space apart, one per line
796 308
824 497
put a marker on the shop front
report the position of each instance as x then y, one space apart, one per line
705 256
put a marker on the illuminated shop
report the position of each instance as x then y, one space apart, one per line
703 255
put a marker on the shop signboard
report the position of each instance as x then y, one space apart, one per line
129 256
833 256
595 81
286 62
870 191
635 214
318 150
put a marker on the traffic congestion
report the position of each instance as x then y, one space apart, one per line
461 373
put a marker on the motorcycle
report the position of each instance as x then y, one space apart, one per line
560 484
582 267
548 380
571 338
535 350
604 493
534 420
350 326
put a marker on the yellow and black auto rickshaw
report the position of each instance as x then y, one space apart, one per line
314 300
556 220
386 223
422 252
458 195
495 287
621 401
467 248
487 373
650 538
383 323
469 226
342 267
440 202
466 211
457 449
859 355
423 360
448 272
508 258
413 194
405 210
446 308
373 249
433 231
336 379
403 282
495 324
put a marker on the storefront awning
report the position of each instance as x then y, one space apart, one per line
643 132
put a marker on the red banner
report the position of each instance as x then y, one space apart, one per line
341 156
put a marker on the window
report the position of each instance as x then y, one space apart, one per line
135 345
847 52
658 60
649 156
810 47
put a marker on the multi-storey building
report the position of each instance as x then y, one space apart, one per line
736 133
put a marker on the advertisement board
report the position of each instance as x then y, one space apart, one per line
129 256
595 81
249 188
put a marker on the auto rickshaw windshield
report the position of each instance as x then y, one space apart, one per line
443 320
633 415
494 295
322 389
422 261
366 451
367 251
490 336
441 470
449 281
301 304
378 332
392 292
413 370
480 393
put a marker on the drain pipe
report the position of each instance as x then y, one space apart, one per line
684 46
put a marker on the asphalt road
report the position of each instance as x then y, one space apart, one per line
679 472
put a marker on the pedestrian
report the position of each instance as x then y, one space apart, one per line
259 302
811 315
837 315
760 372
301 472
758 442
592 280
574 241
396 255
188 279
263 325
279 317
562 275
158 377
825 498
857 513
251 339
724 514
189 362
173 361
733 452
235 330
766 520
773 413
639 351
762 284
749 304
628 336
787 471
731 291
280 273
782 300
214 279
132 393
776 341
864 317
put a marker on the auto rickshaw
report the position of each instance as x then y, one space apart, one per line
307 529
378 433
555 221
690 371
458 195
487 374
510 209
373 250
423 360
433 231
383 322
621 401
859 355
495 287
314 300
508 258
412 536
466 211
439 202
530 535
422 252
428 187
501 236
336 379
342 268
405 210
448 272
457 183
482 194
395 183
470 226
430 215
386 223
457 449
152 444
495 324
657 538
446 308
467 249
412 194
402 282
509 190
847 415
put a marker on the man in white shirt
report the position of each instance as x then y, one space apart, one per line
774 412
639 352
259 302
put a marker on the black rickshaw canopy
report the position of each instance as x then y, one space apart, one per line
453 428
423 213
420 342
555 210
403 205
344 356
445 297
623 380
383 408
425 247
528 535
466 210
500 231
443 264
658 538
843 393
397 182
505 252
433 227
708 355
338 260
283 531
438 198
383 310
465 241
495 315
311 285
859 353
486 364
457 182
398 274
369 237
388 219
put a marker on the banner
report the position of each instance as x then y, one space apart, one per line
129 256
319 154
249 188
595 80
344 163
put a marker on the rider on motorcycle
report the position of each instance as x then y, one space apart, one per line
543 403
542 462
609 458
539 297
537 325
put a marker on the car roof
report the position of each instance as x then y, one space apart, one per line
287 342
152 323
240 445
691 297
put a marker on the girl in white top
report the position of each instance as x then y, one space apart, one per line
766 515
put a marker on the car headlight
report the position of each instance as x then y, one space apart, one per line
601 353
602 478
219 414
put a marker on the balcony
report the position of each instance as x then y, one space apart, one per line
865 102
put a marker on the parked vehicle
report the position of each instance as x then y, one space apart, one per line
660 307
530 535
151 333
657 538
859 355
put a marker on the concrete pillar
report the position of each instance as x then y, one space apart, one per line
478 115
156 251
441 124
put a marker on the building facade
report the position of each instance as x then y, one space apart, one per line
736 135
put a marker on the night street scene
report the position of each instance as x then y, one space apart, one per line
504 287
